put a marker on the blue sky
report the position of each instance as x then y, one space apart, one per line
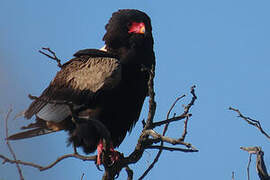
221 46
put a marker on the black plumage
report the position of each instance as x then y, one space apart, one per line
109 87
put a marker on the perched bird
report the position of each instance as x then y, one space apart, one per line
106 85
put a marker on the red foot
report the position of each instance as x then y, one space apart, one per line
114 154
99 152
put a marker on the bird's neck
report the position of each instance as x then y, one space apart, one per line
134 56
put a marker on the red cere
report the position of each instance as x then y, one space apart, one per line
138 28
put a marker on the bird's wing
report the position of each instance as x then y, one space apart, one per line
78 82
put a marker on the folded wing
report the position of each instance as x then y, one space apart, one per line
79 83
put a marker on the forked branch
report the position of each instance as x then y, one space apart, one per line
251 121
52 56
260 165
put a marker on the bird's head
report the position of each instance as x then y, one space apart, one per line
128 29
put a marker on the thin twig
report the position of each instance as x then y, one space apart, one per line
82 176
152 102
161 144
250 121
54 57
185 129
184 114
158 137
169 112
172 149
173 119
129 173
43 168
9 146
249 161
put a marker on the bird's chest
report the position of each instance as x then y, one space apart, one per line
129 95
134 83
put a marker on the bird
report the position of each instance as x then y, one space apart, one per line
106 85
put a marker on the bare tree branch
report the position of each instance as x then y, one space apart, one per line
249 161
53 57
250 121
9 146
172 149
152 102
43 168
166 122
82 176
129 173
158 137
233 175
260 165
169 112
161 144
183 115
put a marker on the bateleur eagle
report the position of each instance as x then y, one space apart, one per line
106 85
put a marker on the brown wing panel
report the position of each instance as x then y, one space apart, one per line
78 81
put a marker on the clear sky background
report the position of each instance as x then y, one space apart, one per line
223 47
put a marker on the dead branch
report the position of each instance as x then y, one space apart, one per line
250 121
158 138
53 57
161 144
172 149
169 112
43 168
260 165
152 102
9 146
82 176
129 173
249 161
166 122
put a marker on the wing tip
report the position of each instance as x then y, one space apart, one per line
29 134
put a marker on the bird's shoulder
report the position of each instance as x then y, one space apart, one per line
91 69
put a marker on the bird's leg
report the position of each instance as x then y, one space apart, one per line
99 152
114 155
75 149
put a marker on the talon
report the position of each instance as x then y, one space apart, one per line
98 167
114 155
116 176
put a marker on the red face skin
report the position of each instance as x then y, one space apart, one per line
137 28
